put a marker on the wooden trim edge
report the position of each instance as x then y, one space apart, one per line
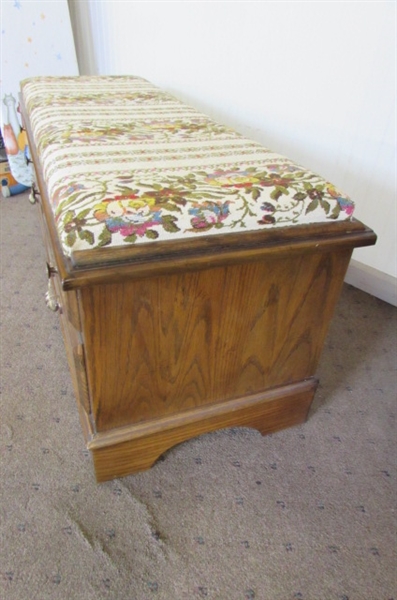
131 450
198 416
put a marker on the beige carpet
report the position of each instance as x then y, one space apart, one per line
307 513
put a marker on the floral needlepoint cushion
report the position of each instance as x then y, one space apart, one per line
126 163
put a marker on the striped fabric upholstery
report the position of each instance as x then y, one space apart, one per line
126 163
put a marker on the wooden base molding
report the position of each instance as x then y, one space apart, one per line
136 448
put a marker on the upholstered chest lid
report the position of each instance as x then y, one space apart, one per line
126 163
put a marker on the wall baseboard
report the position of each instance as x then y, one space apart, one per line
372 281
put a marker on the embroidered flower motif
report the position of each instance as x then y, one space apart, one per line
251 181
237 179
166 195
75 224
208 215
315 194
129 215
344 202
271 181
345 205
201 201
267 220
267 207
283 167
300 196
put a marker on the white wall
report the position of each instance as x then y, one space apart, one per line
312 80
36 39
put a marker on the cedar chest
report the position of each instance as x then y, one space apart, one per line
195 272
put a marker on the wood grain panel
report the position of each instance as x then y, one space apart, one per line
160 346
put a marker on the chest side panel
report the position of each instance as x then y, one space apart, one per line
159 346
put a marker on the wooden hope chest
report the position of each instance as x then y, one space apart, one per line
194 271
